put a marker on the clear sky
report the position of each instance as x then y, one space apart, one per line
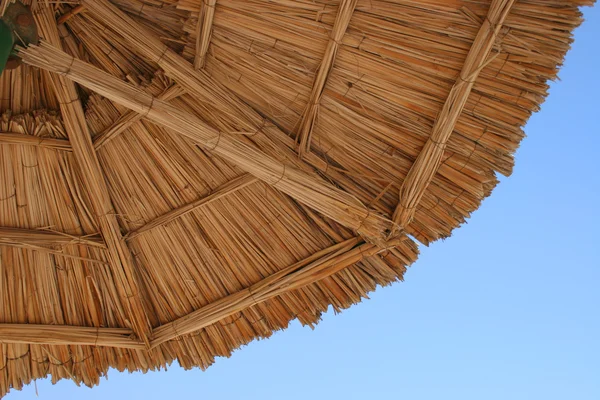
507 309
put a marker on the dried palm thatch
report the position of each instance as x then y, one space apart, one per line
180 177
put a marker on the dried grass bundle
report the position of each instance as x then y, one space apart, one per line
333 203
152 215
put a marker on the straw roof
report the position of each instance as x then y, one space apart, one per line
181 177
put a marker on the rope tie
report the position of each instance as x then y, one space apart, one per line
407 208
68 71
281 177
174 327
97 336
152 98
441 145
251 293
68 103
360 249
396 227
364 220
218 140
166 49
334 40
260 128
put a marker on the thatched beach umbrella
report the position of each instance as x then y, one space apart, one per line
180 177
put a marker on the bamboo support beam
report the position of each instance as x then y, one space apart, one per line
312 269
121 261
22 139
224 190
130 118
69 335
305 188
39 237
428 161
331 201
204 31
345 11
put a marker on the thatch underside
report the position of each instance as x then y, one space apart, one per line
190 175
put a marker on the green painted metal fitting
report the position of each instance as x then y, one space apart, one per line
7 44
17 26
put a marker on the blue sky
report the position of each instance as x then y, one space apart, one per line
508 308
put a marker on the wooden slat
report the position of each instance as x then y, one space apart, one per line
224 190
15 138
68 335
345 11
428 161
312 269
121 261
204 31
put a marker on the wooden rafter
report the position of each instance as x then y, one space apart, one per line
131 117
222 191
310 270
121 261
345 11
428 161
15 138
204 31
69 335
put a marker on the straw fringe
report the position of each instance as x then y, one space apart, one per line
312 269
